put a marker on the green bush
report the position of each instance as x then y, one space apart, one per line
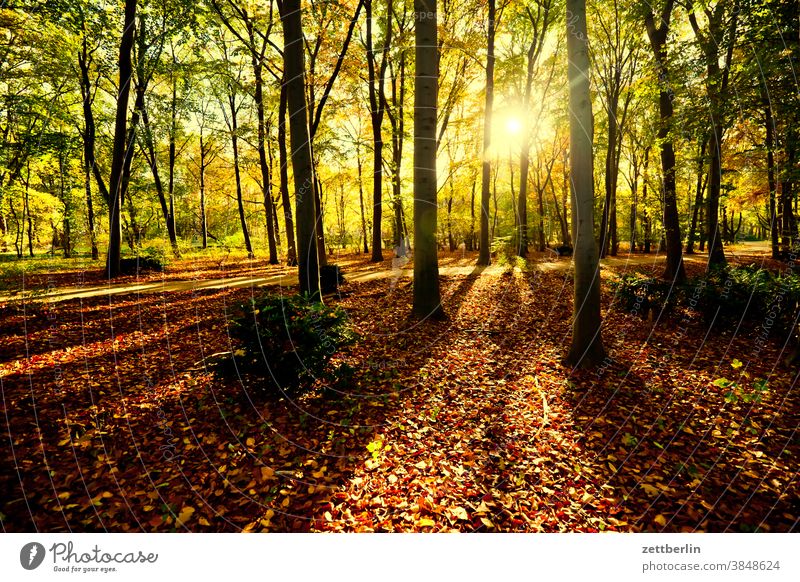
726 296
288 342
639 295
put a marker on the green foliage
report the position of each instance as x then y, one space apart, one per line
734 294
288 342
726 297
639 295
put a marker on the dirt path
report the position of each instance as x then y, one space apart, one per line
448 267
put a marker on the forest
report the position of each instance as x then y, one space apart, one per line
399 265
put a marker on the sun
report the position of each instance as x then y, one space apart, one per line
513 126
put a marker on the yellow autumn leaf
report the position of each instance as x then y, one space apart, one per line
426 522
185 515
460 513
649 489
660 520
250 442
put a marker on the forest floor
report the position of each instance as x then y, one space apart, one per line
113 423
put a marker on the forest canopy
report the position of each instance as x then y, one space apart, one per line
693 104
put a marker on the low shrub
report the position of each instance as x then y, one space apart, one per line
287 343
146 259
641 295
725 296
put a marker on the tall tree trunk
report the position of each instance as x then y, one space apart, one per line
172 156
698 196
634 210
203 219
525 158
611 148
26 210
120 133
283 160
470 242
397 120
658 42
788 223
87 184
303 169
89 132
67 241
486 168
646 220
587 346
427 299
451 242
716 91
540 193
771 182
364 235
262 153
376 107
164 198
716 254
239 198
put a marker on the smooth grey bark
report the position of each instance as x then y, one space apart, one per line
586 349
427 298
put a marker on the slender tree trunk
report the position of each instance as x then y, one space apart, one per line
451 243
788 223
587 346
262 153
716 254
773 215
203 220
427 299
239 198
658 41
283 160
541 218
647 223
364 236
120 132
486 169
609 178
698 197
87 184
26 210
525 159
89 132
67 242
164 198
376 107
172 156
470 242
397 119
303 168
